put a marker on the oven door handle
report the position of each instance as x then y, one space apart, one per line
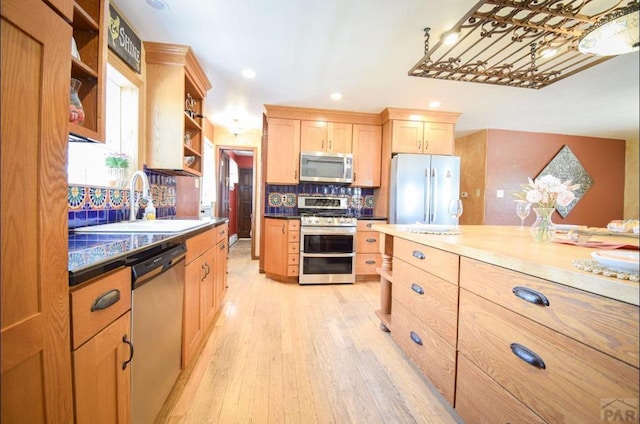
326 254
328 231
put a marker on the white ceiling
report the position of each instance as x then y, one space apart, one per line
302 51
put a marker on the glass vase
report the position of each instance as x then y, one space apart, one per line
117 177
76 111
543 229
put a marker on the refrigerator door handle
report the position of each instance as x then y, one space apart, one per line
427 189
434 194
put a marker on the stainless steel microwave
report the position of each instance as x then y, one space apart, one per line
320 167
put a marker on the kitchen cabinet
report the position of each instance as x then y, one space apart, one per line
34 109
175 94
431 138
283 151
221 253
321 136
90 34
282 257
101 336
368 256
367 151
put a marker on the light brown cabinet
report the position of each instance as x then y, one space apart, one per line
321 136
221 253
422 137
368 256
90 34
283 151
367 154
282 258
102 350
176 90
34 109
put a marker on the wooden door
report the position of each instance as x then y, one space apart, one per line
283 151
406 136
102 382
339 137
223 185
192 330
35 336
313 136
367 155
438 139
245 202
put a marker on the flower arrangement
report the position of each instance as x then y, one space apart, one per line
548 192
116 160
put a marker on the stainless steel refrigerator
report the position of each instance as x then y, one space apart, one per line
421 187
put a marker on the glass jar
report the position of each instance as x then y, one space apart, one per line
543 229
76 111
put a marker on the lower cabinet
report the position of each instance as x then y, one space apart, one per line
368 256
282 253
101 349
205 273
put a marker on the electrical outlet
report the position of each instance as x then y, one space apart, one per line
500 193
464 194
477 192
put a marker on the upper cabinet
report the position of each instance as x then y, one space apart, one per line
367 149
88 67
176 91
320 136
421 132
283 151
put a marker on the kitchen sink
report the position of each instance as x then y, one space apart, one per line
142 226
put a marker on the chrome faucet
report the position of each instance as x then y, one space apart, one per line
133 205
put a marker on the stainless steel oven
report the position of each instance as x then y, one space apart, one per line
327 241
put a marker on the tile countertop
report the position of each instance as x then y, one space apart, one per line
513 248
92 254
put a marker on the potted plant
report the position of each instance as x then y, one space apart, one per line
117 165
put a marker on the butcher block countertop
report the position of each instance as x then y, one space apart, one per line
513 248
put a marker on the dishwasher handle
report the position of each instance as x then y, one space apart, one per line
146 270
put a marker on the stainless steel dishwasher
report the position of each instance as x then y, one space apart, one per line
156 329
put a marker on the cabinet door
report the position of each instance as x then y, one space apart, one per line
102 376
207 288
340 137
406 136
367 155
438 139
34 109
283 151
220 278
276 256
192 330
313 136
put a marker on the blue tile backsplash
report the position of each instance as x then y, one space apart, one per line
283 199
90 205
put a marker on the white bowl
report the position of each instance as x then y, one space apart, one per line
618 260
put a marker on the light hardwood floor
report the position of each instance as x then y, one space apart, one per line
284 353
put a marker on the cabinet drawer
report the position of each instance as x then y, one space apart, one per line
479 399
222 232
365 225
85 323
435 357
293 259
605 324
293 270
368 242
293 225
200 243
293 236
571 383
366 263
431 299
437 262
293 248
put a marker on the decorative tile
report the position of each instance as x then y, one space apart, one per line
289 200
275 200
97 197
117 198
75 197
368 202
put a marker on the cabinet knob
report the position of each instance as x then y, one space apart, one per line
370 262
418 254
415 338
369 225
371 240
417 288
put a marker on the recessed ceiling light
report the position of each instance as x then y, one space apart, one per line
434 104
336 96
158 4
248 73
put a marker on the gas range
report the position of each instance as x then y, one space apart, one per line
319 211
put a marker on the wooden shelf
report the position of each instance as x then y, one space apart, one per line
387 275
385 319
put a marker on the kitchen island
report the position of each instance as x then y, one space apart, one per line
508 329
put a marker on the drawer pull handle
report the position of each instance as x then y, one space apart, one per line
417 288
105 300
371 240
370 262
369 225
418 254
527 355
125 363
415 338
530 295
